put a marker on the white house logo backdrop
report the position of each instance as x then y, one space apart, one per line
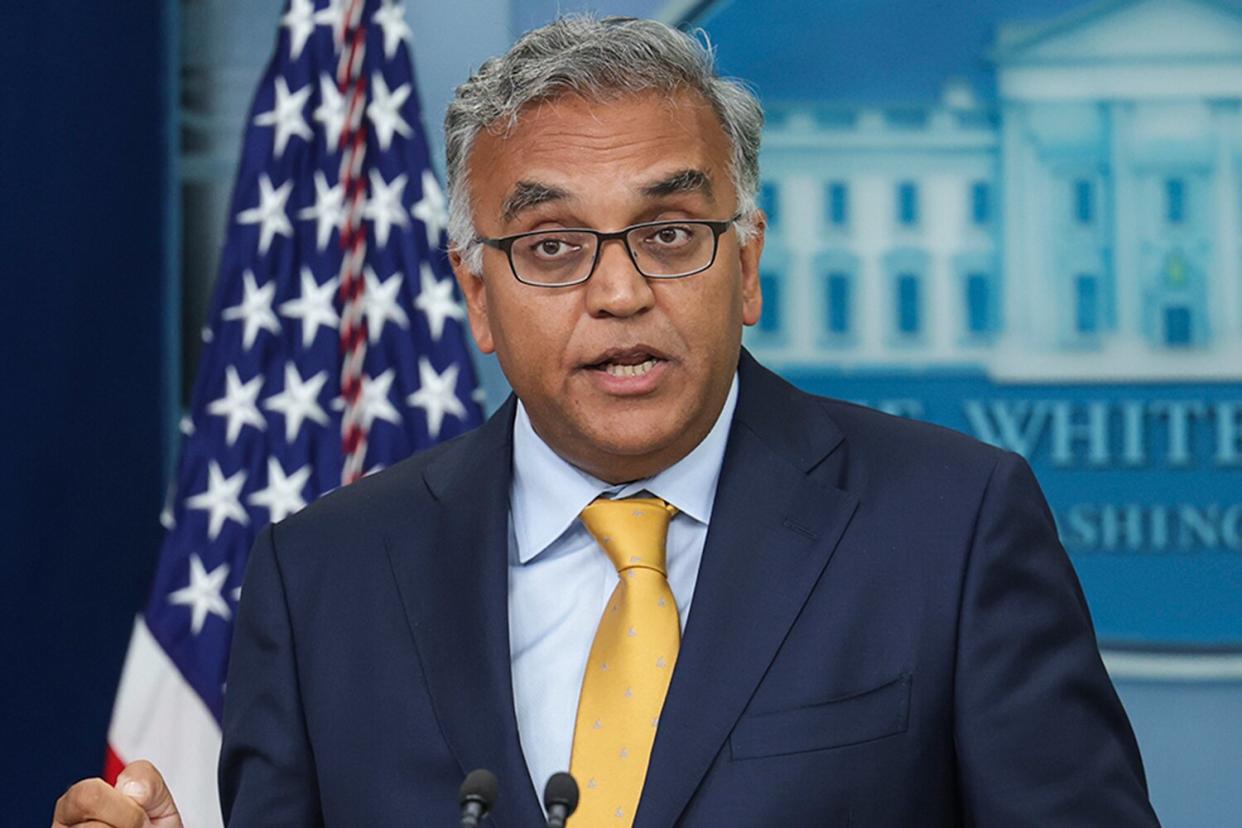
1044 251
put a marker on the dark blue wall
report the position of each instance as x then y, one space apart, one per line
84 174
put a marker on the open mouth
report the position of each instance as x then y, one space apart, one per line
617 369
629 363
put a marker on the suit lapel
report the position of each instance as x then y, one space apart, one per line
773 530
453 580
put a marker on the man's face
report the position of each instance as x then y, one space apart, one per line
621 375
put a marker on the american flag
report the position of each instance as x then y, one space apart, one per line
335 346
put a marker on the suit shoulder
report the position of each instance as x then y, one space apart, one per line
936 478
897 451
369 502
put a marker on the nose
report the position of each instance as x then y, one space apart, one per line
616 288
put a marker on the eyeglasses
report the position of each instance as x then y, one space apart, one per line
568 256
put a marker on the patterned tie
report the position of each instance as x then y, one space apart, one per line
631 661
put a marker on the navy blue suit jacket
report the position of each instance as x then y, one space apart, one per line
885 632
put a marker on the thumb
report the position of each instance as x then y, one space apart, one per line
143 783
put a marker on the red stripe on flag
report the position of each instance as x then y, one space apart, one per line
112 766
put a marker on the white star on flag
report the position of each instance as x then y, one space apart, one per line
300 25
437 395
283 495
269 214
202 595
220 499
238 404
373 401
384 208
435 300
286 115
391 18
385 110
430 209
379 303
299 401
314 307
333 16
331 110
327 211
255 309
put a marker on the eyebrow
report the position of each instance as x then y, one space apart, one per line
528 194
682 181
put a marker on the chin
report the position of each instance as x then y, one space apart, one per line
634 437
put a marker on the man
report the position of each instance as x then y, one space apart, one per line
875 624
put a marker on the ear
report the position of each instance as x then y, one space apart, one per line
752 295
475 293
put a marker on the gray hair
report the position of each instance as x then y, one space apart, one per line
599 60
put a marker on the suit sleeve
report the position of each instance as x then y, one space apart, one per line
267 772
1042 738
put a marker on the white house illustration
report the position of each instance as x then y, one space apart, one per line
1085 225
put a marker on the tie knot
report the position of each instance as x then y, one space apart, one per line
632 532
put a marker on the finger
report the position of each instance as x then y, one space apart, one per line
143 783
93 802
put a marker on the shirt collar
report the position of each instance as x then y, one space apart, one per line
549 492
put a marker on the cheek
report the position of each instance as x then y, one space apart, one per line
531 334
709 316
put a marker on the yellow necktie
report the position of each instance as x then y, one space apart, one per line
631 662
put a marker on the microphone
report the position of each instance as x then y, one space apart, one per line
476 796
560 797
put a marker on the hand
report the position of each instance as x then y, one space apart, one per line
139 800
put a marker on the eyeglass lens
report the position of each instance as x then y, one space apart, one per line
561 256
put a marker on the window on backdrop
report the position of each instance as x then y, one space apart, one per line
907 203
838 204
1175 200
978 304
1084 201
839 298
909 299
980 203
1087 304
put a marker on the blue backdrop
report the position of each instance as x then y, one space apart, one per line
84 215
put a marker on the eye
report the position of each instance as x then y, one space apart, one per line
549 248
670 235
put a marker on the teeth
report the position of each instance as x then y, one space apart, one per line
630 370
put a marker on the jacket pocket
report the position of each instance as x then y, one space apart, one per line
860 717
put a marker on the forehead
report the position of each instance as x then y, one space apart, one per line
583 146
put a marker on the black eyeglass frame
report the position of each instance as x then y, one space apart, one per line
505 243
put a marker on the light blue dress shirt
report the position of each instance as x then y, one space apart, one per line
560 580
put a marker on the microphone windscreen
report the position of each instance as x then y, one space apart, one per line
480 786
561 790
